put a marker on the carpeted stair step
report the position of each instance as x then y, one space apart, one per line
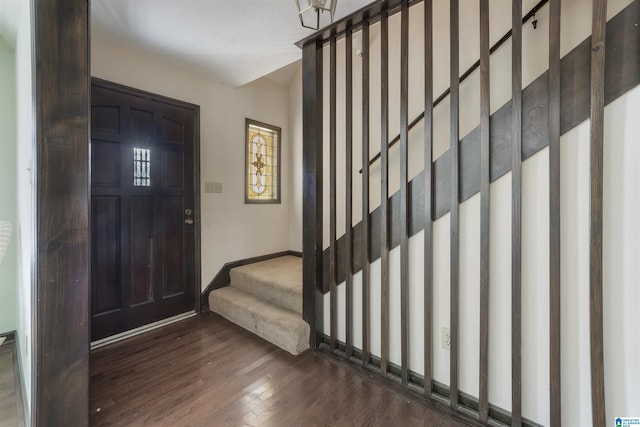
275 324
277 280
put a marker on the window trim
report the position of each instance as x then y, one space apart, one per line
278 131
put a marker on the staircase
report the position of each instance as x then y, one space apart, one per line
266 299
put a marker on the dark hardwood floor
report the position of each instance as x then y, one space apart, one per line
206 371
11 409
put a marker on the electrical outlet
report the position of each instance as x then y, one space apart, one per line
445 338
213 187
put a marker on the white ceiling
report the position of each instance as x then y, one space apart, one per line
232 42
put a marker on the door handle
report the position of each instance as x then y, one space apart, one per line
188 221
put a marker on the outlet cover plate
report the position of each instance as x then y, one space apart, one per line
445 338
213 187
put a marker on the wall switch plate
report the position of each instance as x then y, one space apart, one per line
213 187
445 338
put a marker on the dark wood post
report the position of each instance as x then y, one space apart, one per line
312 189
61 294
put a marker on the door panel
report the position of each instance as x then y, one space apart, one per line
142 183
105 163
141 231
105 266
171 237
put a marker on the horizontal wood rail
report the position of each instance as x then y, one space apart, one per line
464 76
622 68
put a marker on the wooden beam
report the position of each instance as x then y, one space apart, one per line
428 196
312 190
349 190
333 297
485 214
404 190
516 214
554 214
365 194
61 295
454 199
598 48
384 194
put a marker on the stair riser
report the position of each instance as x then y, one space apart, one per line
277 325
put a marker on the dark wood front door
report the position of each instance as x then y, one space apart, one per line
142 208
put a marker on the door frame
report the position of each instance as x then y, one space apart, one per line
196 169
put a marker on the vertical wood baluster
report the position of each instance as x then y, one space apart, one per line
404 190
485 210
554 212
454 199
349 192
516 214
365 193
384 193
428 194
598 48
332 196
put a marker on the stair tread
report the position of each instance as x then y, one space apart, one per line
276 324
278 280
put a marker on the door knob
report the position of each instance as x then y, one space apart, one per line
188 221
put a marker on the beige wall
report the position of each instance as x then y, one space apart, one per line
231 229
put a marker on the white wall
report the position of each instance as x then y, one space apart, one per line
24 232
622 158
8 268
231 229
295 160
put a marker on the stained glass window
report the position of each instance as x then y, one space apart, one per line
141 167
262 184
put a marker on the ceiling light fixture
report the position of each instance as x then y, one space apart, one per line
310 12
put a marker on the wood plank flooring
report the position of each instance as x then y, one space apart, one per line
206 371
11 409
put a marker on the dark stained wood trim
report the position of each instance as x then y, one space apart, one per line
428 195
61 182
365 195
222 278
485 210
385 216
622 71
197 209
404 190
598 48
333 297
454 198
516 215
312 224
349 190
554 214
